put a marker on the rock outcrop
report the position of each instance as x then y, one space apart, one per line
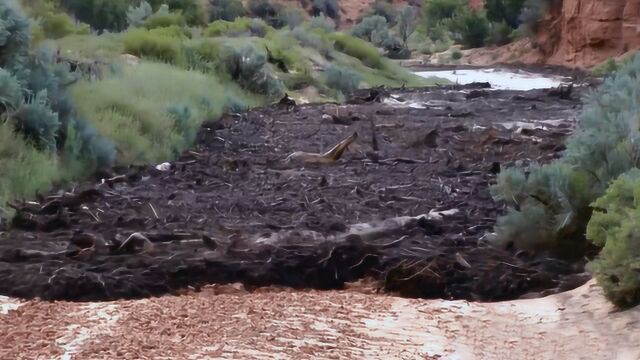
584 33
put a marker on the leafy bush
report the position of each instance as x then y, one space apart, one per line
323 23
499 34
549 208
310 39
292 17
607 68
456 55
359 49
101 15
195 12
56 26
223 27
248 67
386 10
268 12
507 11
328 8
614 226
369 25
470 28
227 10
435 11
155 44
234 104
164 20
259 27
342 79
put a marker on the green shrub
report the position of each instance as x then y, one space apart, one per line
227 10
101 15
470 28
342 79
56 26
25 170
37 122
136 15
312 40
615 226
456 55
323 23
607 68
164 20
222 27
386 10
292 17
605 146
234 104
267 11
153 44
248 67
499 34
195 12
259 27
369 25
436 11
35 105
504 11
359 49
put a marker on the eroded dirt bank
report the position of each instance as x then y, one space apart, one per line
233 210
228 323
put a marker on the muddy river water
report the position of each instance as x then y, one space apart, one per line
500 79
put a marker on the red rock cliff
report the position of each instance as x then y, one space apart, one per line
584 33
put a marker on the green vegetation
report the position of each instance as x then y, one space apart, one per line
136 109
198 59
609 67
615 226
44 140
342 79
447 21
549 208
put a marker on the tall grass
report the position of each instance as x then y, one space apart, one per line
25 170
135 108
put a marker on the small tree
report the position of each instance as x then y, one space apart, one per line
407 23
507 11
470 28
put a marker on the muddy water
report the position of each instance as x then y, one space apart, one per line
498 78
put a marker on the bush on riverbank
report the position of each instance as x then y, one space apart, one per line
549 208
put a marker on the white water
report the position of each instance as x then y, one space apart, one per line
499 79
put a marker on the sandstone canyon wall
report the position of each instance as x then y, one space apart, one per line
584 33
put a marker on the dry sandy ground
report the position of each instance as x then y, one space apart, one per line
228 323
